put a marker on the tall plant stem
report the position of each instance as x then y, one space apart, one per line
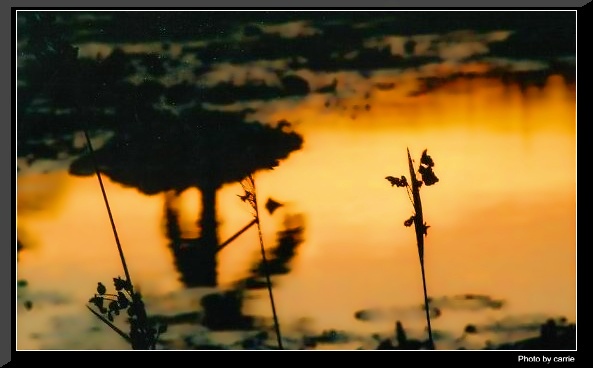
420 232
426 308
113 227
266 269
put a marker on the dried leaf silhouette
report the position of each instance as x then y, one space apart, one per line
272 205
409 221
97 301
426 159
425 229
425 169
428 176
398 182
122 300
120 284
246 197
114 306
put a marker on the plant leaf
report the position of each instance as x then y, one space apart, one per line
409 221
113 306
426 159
428 176
97 301
119 283
122 300
398 182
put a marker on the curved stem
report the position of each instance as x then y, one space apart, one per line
426 307
266 270
113 227
420 231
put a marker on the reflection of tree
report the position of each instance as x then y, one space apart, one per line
157 146
280 257
60 93
200 148
223 311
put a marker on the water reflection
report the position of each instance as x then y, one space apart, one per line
200 149
515 230
502 218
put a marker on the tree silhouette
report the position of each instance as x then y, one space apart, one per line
198 149
155 148
60 93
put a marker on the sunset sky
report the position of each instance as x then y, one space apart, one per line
491 95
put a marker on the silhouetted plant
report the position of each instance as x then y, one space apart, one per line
403 342
250 197
143 334
200 149
280 256
67 82
417 219
553 335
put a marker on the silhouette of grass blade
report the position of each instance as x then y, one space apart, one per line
111 325
249 186
420 228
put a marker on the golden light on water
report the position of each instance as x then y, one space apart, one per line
502 216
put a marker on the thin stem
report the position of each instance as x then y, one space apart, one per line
266 270
420 230
98 173
113 327
237 234
105 295
113 227
135 297
105 298
426 308
409 191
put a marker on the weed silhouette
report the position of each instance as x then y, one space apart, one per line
417 219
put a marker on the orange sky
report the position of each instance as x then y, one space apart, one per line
503 215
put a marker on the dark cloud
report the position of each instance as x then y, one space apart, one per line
364 61
148 153
328 88
508 74
468 302
273 46
438 306
394 313
227 92
513 323
129 26
543 40
538 78
384 86
440 22
535 34
291 29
